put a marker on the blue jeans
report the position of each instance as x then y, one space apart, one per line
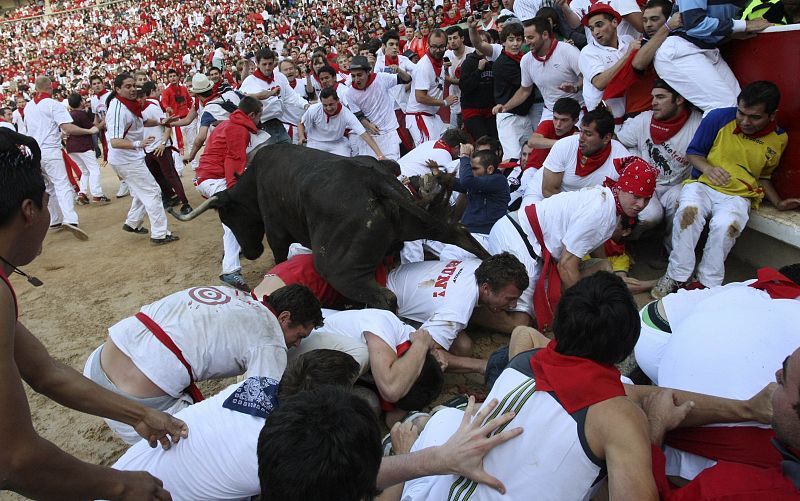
276 130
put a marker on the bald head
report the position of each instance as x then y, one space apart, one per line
43 84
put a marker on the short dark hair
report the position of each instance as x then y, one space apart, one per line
452 30
316 368
541 24
500 270
486 158
172 71
597 319
327 69
148 87
549 14
249 104
511 29
264 54
567 106
299 301
73 100
453 137
437 33
390 35
95 77
491 142
664 5
328 92
323 444
20 175
214 68
426 388
761 92
602 119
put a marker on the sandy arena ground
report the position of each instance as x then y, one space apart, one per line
88 286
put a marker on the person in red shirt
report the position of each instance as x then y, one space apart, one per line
176 101
565 115
224 157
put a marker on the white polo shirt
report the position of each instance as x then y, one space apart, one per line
442 294
121 123
425 79
376 102
320 127
561 66
595 59
43 121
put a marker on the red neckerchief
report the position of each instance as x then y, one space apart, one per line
437 65
215 87
370 79
577 382
21 112
777 285
516 57
549 52
42 95
441 145
263 77
208 99
134 106
587 165
101 93
328 117
613 248
662 131
293 83
763 132
389 60
148 103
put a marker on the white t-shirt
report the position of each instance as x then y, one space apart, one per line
221 332
219 460
382 323
526 9
577 222
413 162
668 157
376 102
154 112
425 79
497 49
287 104
121 123
562 66
454 71
98 104
595 59
322 128
442 294
19 122
43 121
624 7
563 157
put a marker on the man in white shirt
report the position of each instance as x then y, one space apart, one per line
443 295
427 91
324 125
442 151
18 118
453 59
45 120
661 137
603 57
550 65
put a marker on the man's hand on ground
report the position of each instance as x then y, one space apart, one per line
156 426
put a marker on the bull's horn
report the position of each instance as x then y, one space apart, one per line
208 204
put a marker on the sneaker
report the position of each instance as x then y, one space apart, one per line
123 191
186 209
82 199
104 200
56 227
664 286
141 230
171 202
166 240
76 232
235 280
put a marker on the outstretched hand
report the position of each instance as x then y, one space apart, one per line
464 452
156 426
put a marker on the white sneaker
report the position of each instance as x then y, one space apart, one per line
664 287
123 191
76 232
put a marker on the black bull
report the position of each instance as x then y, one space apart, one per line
352 212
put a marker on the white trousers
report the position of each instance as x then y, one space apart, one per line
434 124
701 76
389 143
146 197
56 183
90 172
413 251
339 147
662 207
511 129
504 237
189 133
728 216
451 252
230 246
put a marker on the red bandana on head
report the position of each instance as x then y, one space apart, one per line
516 57
42 95
662 131
329 115
549 52
637 177
586 165
258 74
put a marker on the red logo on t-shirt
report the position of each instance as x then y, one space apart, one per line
444 277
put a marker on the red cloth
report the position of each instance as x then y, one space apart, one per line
133 105
467 113
390 61
42 95
662 131
550 51
423 129
548 131
437 64
577 382
258 74
177 97
725 481
586 165
516 57
167 341
737 444
225 153
328 116
763 132
73 171
547 290
636 177
776 284
624 78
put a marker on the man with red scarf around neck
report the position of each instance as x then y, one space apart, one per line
551 66
427 91
661 137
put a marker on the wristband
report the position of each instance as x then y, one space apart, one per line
446 104
137 145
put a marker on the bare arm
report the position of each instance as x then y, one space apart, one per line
518 98
636 20
301 133
74 130
569 269
601 80
199 141
423 98
525 338
475 37
395 375
127 144
551 182
772 195
644 58
538 141
372 144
